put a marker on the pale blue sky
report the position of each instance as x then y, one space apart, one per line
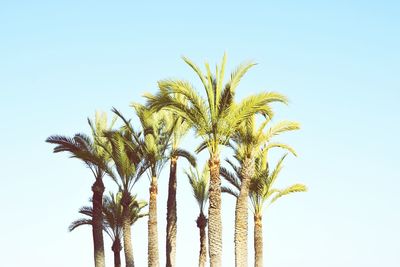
337 61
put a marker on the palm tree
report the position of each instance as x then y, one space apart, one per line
112 225
214 119
113 217
127 164
92 153
248 140
180 128
261 192
200 184
153 144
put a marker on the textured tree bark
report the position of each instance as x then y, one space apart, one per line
126 230
214 214
171 215
241 214
201 224
116 248
258 241
97 227
153 260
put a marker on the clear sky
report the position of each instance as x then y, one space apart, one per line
337 61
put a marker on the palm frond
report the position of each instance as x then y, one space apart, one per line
200 184
230 177
78 223
281 127
185 154
276 171
238 74
230 191
289 190
281 145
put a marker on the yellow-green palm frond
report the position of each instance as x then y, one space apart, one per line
238 74
184 92
279 145
200 184
188 111
196 70
98 127
256 104
289 190
274 175
281 127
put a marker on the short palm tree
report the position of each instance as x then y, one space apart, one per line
92 153
200 183
179 129
247 142
113 218
261 192
214 119
112 224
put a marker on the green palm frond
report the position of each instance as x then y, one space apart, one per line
185 154
230 177
88 149
78 223
112 214
230 191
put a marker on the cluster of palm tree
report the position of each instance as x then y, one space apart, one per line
129 152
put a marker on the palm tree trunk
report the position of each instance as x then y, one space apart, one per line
116 248
201 224
241 214
171 215
153 260
258 241
97 227
126 230
214 213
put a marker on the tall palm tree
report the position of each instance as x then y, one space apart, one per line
179 129
200 183
214 119
248 140
153 144
92 153
261 192
112 225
